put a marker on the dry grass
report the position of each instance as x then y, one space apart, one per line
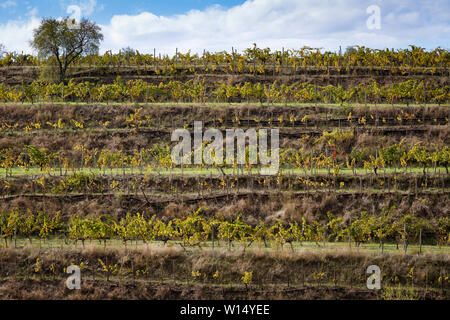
171 267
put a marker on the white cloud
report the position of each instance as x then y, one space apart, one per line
270 23
87 7
16 34
8 4
284 23
32 12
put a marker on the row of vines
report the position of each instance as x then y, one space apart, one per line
195 230
410 91
257 59
140 118
333 158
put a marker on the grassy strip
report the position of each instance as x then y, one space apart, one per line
215 104
306 246
286 130
211 171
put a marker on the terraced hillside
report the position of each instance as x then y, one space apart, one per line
355 183
87 177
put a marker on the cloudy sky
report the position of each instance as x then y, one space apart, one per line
217 25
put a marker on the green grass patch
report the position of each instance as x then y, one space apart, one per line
211 171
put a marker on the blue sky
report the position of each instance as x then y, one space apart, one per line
217 25
104 10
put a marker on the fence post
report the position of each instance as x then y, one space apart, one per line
349 234
140 162
60 168
420 240
405 246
